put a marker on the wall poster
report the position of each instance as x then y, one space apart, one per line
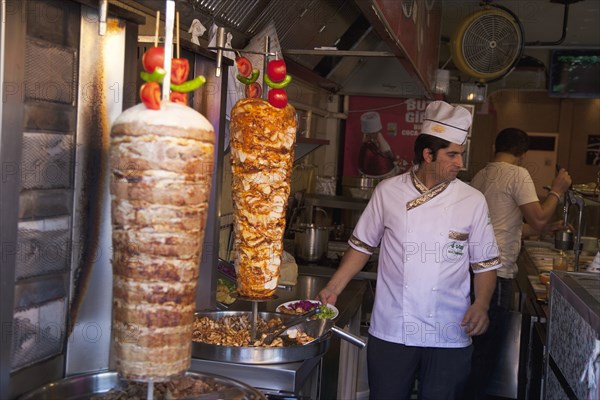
380 135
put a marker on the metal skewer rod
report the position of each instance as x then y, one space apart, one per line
265 62
254 324
169 24
150 394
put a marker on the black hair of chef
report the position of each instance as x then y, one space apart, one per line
425 141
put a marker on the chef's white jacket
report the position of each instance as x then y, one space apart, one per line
428 240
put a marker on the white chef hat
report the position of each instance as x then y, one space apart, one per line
370 122
447 122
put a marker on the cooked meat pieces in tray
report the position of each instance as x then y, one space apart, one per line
236 331
178 388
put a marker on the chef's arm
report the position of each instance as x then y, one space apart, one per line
352 263
484 284
476 319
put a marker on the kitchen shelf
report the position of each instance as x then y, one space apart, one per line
341 202
305 146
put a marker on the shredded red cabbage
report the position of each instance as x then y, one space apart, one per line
306 305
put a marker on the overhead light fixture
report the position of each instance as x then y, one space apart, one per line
473 92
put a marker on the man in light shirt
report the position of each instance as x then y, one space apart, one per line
510 193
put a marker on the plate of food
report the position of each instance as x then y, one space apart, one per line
298 307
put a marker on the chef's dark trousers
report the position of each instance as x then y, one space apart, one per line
487 347
392 368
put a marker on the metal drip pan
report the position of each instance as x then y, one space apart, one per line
88 386
258 355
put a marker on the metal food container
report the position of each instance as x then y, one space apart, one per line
311 242
258 355
84 387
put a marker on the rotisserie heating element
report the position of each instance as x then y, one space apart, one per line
262 154
161 166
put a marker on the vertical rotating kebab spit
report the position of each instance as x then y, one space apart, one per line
262 153
160 186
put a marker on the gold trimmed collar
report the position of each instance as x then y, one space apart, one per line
426 194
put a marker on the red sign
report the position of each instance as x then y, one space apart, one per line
372 153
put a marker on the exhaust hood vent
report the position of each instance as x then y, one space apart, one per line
307 27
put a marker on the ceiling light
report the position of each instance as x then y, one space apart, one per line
473 92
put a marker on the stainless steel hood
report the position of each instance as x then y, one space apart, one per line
341 45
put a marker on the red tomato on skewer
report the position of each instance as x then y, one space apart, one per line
179 97
150 95
180 69
253 90
244 66
278 98
153 57
276 70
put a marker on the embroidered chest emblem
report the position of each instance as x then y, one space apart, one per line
456 248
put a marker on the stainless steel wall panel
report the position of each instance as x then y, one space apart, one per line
34 204
47 161
33 292
50 72
50 117
55 21
38 166
211 101
12 39
100 101
43 247
38 333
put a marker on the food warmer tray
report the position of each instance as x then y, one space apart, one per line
83 387
258 355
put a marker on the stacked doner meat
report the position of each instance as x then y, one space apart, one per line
262 153
161 163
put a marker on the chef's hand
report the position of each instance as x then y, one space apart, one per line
327 296
476 320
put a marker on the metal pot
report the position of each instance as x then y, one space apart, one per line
311 242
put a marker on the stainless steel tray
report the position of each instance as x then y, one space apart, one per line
83 387
258 355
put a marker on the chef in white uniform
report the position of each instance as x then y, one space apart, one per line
432 229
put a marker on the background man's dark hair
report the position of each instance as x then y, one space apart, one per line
432 143
513 141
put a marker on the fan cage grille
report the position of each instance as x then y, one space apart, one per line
491 43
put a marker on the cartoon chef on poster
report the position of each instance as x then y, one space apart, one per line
375 158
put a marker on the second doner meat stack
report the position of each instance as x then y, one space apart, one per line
262 154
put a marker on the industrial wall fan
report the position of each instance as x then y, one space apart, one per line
488 43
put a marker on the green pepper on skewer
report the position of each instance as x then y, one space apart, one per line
156 76
278 85
190 85
250 79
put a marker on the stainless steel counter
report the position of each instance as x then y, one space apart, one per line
291 378
573 333
537 257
